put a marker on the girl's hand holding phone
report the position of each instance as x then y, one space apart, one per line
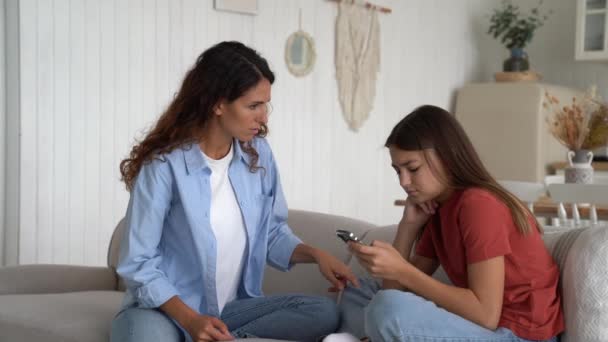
381 260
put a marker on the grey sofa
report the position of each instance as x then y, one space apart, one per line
55 303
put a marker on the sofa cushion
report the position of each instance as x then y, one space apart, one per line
40 278
61 317
318 230
315 228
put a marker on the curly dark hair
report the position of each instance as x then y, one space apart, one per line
225 71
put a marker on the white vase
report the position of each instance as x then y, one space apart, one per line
579 169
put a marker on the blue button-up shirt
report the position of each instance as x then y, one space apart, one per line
169 249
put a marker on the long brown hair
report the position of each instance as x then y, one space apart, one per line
430 127
224 71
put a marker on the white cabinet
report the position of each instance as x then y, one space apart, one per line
591 30
507 125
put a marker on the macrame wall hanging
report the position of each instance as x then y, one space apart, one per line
357 58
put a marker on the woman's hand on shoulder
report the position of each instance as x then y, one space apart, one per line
204 328
415 215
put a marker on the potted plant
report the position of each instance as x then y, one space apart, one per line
516 30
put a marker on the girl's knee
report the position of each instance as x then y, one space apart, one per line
389 302
382 315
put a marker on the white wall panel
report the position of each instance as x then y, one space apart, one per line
77 181
3 131
60 167
12 164
92 117
29 212
108 175
96 73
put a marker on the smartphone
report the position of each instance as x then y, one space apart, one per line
346 236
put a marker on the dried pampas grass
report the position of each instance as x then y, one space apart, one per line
583 124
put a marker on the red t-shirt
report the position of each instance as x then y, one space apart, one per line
476 226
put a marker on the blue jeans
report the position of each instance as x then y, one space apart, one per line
392 315
290 317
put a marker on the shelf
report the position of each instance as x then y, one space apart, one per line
597 166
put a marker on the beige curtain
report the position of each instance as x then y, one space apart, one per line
357 61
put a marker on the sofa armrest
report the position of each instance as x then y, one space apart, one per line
582 255
30 279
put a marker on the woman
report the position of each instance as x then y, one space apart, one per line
504 280
207 212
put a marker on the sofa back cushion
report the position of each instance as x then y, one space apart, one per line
113 250
318 230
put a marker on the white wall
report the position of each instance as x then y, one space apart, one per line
2 131
94 74
12 164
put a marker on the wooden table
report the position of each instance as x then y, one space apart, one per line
545 207
600 166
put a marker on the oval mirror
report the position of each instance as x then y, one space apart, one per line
300 53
